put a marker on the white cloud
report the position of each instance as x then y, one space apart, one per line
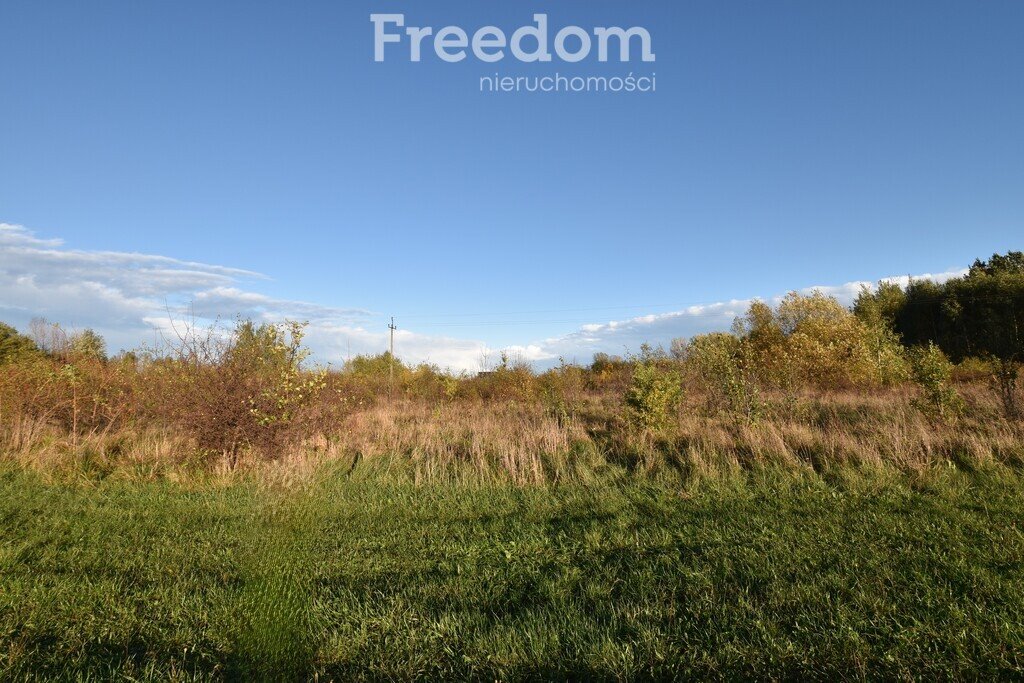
619 336
132 298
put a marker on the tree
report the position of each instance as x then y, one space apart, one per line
815 339
987 312
797 310
88 345
765 347
50 337
978 315
15 346
1012 263
722 364
880 306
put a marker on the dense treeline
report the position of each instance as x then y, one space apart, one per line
980 315
807 380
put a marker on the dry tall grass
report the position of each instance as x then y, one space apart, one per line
225 406
528 442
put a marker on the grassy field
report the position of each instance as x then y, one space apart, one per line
355 575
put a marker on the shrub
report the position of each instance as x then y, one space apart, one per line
974 368
932 371
721 362
450 387
364 379
275 354
427 382
609 372
765 348
562 390
78 396
876 312
827 342
30 398
236 391
655 391
813 340
380 367
16 347
88 345
887 358
1004 382
511 380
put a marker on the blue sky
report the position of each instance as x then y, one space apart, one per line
251 157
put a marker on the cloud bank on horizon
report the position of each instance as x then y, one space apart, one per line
134 298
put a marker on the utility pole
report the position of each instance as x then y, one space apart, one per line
391 359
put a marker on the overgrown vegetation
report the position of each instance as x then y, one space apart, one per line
933 372
654 392
822 492
980 315
910 378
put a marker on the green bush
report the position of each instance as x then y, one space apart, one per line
812 340
723 364
932 371
511 380
88 345
655 391
15 347
562 390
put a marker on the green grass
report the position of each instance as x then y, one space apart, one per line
781 576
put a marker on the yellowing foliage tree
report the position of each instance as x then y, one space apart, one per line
814 340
